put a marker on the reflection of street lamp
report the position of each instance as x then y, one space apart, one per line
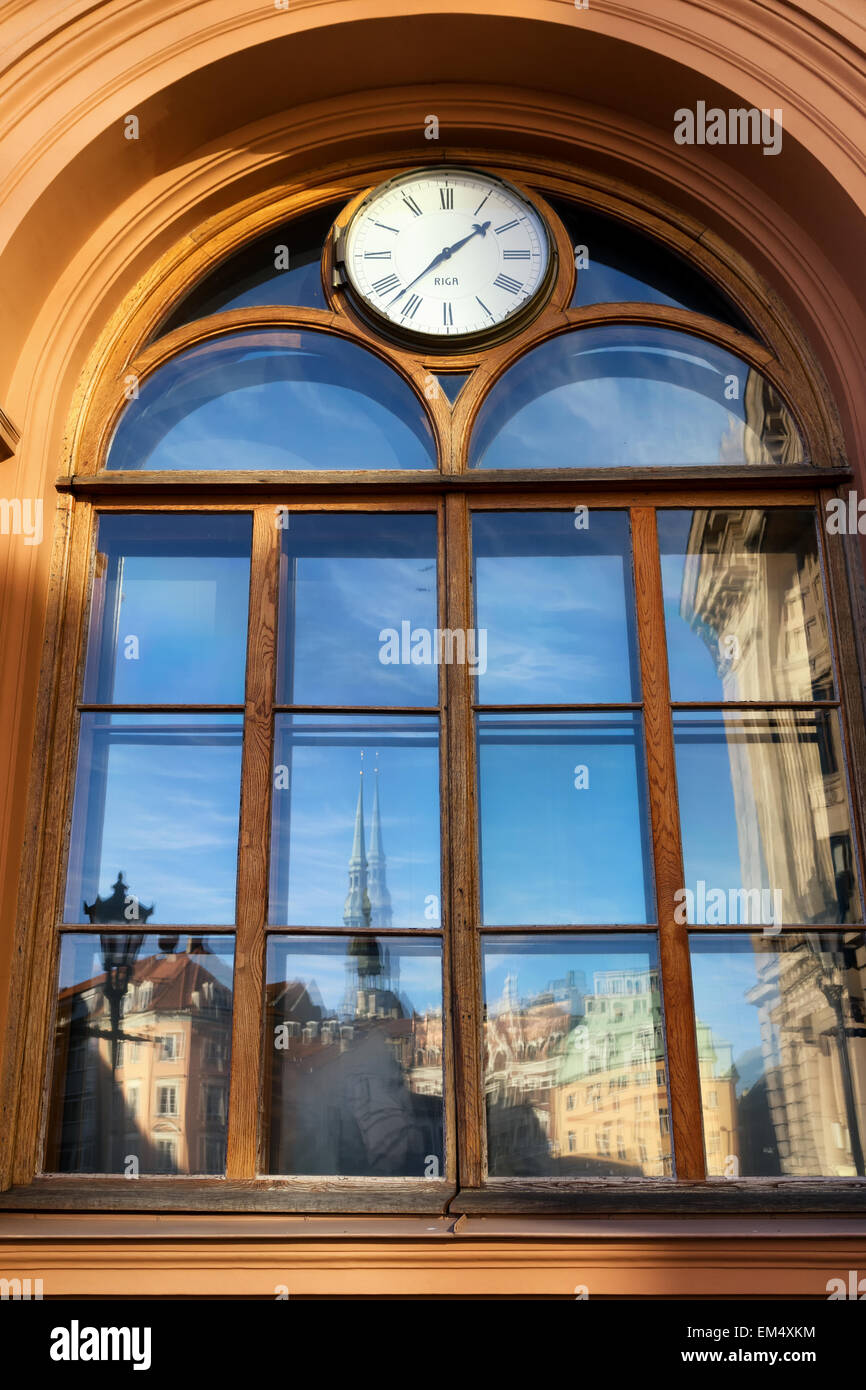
831 965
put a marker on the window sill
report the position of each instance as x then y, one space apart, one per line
509 1197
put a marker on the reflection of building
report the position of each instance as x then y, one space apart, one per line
356 1090
577 1081
166 1109
752 589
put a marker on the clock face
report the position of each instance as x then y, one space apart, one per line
446 253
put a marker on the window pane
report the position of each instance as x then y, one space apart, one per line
155 819
626 265
744 605
282 267
141 1055
632 395
564 829
327 868
765 821
358 610
554 598
575 1073
782 1050
354 1057
274 399
169 610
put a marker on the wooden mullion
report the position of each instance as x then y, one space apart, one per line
683 1068
464 943
254 844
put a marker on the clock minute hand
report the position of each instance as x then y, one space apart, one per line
479 229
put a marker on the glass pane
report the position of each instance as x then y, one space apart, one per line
632 395
282 267
782 1051
575 1076
554 602
327 869
169 610
358 610
744 605
354 1057
155 819
626 265
274 399
563 816
141 1055
765 821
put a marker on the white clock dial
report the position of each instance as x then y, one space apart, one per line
446 253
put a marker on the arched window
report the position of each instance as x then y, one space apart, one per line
508 648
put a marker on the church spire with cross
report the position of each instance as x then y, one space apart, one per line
356 911
380 898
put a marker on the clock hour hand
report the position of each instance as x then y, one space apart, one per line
478 229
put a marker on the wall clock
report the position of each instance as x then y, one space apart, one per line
445 256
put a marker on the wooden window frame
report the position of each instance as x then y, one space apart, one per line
451 493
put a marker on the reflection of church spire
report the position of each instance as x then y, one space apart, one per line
356 912
380 898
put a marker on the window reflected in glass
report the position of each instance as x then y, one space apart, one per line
632 395
274 399
765 819
142 1049
575 1076
355 822
282 267
169 610
781 1028
554 602
155 819
358 612
564 832
745 611
353 1036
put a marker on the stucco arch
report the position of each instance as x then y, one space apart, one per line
236 98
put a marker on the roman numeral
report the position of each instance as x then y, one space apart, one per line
447 315
388 282
484 306
511 255
385 227
412 306
379 255
446 197
411 204
506 226
505 282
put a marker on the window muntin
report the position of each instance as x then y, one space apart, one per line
141 1105
275 399
283 267
782 1048
354 1047
632 395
